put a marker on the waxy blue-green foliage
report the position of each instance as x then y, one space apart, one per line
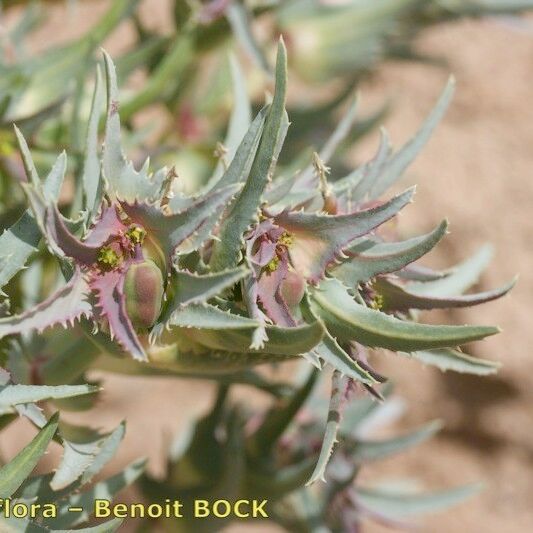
85 453
271 455
257 266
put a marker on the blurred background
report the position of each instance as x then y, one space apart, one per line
476 171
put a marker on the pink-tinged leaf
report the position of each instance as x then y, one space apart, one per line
174 232
65 306
320 239
107 225
269 294
70 245
111 303
249 294
261 243
58 237
398 298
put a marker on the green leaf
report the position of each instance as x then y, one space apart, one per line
108 448
64 306
281 341
11 395
349 320
207 316
241 115
449 359
338 387
77 457
91 177
397 163
243 212
279 417
330 351
125 183
20 241
331 145
364 451
242 28
163 368
211 363
178 232
459 278
190 288
239 168
393 504
396 297
103 490
13 474
369 258
166 78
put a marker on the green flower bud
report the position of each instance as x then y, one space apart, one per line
143 289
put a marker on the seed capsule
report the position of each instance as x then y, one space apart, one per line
143 289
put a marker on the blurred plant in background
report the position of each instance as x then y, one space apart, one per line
242 254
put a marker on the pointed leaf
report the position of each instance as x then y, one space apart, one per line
65 306
369 258
77 457
189 288
350 320
319 239
243 212
58 236
11 395
125 183
307 177
449 359
239 19
177 231
239 168
283 341
91 178
459 279
19 468
210 317
196 288
104 490
363 451
108 447
338 387
394 504
330 351
21 240
397 164
109 290
398 298
212 364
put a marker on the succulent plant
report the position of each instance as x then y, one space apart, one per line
254 268
269 455
42 502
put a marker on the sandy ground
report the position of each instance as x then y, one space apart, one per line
477 172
